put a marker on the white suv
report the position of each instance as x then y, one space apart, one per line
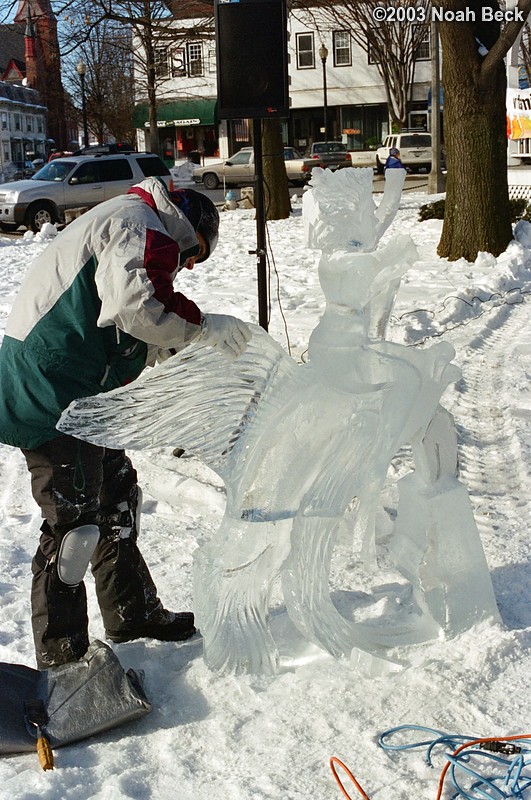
72 182
415 151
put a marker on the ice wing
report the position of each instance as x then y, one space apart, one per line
197 400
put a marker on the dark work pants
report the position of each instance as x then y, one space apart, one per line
76 483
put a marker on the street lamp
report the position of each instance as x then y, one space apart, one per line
81 70
323 55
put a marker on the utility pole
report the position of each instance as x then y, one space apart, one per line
436 180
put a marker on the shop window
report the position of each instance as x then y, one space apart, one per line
305 51
364 126
342 51
194 52
240 129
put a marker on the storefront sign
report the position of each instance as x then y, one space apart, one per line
184 122
169 123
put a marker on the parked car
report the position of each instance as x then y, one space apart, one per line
16 170
239 169
60 154
329 155
415 151
74 182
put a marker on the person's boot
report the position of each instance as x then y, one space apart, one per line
125 589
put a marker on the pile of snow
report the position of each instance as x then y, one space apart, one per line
183 173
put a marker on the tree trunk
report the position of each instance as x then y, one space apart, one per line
276 192
477 213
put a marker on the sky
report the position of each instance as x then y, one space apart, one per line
253 737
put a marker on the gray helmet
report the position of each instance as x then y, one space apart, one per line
202 213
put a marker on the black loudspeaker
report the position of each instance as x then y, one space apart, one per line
252 59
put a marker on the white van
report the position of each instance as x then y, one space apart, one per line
415 151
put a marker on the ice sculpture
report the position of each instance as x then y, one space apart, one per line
296 443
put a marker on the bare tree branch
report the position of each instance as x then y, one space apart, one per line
507 38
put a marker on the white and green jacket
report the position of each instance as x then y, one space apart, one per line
89 307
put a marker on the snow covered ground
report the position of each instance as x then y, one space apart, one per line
256 738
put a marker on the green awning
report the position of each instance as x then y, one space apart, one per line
197 111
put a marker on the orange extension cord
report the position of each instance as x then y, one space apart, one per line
334 761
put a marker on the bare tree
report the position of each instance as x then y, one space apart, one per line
109 81
477 213
389 39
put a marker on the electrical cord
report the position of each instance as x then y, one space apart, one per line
471 303
269 252
515 783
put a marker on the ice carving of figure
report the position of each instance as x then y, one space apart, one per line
295 444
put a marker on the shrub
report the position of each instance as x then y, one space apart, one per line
519 208
433 210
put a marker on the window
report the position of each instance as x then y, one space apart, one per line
152 166
424 51
342 53
5 121
40 125
211 60
116 169
87 173
240 129
195 59
178 62
161 62
29 124
305 51
18 122
416 140
241 158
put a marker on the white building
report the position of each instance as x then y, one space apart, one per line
356 100
22 124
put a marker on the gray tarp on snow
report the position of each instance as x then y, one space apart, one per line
81 699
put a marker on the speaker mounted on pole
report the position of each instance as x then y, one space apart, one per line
252 61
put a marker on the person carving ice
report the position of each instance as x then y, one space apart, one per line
93 309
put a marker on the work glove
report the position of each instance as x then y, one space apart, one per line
228 333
